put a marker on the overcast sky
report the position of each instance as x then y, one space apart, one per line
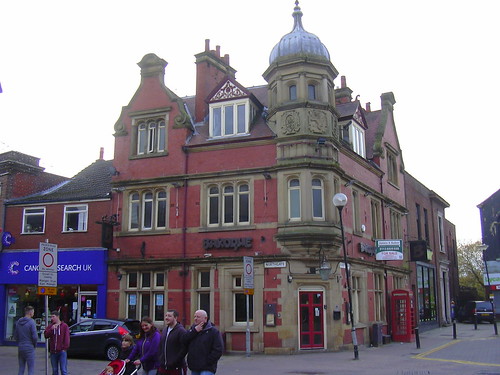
67 68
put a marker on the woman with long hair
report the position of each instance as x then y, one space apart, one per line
146 348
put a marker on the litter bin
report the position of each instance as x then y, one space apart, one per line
377 336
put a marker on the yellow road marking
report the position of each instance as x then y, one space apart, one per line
423 355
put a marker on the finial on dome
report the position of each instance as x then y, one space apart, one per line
297 16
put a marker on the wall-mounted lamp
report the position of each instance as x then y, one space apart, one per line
266 175
289 278
119 276
349 183
325 269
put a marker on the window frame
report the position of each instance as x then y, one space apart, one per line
321 197
392 168
145 294
375 208
85 216
144 209
294 201
151 135
26 215
238 128
378 296
237 292
223 194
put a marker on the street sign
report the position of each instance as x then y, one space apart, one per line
247 272
47 279
250 292
48 257
47 265
47 290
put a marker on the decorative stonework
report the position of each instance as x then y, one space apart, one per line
291 123
228 91
358 118
120 129
317 121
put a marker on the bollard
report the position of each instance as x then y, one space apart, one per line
417 338
475 321
495 325
454 330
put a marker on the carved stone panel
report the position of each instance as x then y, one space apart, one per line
317 121
290 123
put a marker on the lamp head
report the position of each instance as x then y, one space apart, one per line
339 200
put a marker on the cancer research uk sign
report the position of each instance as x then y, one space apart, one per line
389 249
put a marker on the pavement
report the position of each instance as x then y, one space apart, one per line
472 352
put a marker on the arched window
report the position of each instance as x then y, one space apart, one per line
292 92
134 211
161 209
311 92
213 205
231 202
151 136
148 210
294 199
228 205
243 204
318 199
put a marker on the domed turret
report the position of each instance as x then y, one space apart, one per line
298 42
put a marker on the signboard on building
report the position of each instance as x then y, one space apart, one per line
279 264
248 273
389 249
493 273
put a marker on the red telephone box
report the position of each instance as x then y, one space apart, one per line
403 317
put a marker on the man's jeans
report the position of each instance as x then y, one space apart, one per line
26 356
60 359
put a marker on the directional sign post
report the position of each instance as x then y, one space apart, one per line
248 285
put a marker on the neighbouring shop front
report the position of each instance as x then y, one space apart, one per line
81 288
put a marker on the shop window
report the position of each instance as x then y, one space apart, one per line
379 296
151 136
426 289
294 199
148 210
356 298
228 204
75 218
318 199
204 290
240 303
34 220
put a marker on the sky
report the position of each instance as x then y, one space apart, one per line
68 67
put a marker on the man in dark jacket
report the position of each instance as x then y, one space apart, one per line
26 337
205 345
58 334
172 350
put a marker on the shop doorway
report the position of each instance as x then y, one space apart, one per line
87 305
311 317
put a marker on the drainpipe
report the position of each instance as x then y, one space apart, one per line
184 238
387 297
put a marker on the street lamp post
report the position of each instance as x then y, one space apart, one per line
339 201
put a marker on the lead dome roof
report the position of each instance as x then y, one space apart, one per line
298 42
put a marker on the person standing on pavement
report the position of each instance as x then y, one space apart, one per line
204 345
172 350
26 337
58 334
146 348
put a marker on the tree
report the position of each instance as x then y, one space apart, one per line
471 267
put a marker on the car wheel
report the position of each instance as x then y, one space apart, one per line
112 352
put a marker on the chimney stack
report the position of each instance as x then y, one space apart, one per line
368 107
101 153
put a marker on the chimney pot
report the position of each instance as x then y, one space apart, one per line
343 83
207 45
217 51
368 107
226 58
101 153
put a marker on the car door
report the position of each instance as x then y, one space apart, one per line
79 337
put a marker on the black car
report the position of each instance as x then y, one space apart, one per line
482 310
100 337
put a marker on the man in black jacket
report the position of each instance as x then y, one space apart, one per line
172 350
204 344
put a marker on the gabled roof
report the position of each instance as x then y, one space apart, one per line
93 182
